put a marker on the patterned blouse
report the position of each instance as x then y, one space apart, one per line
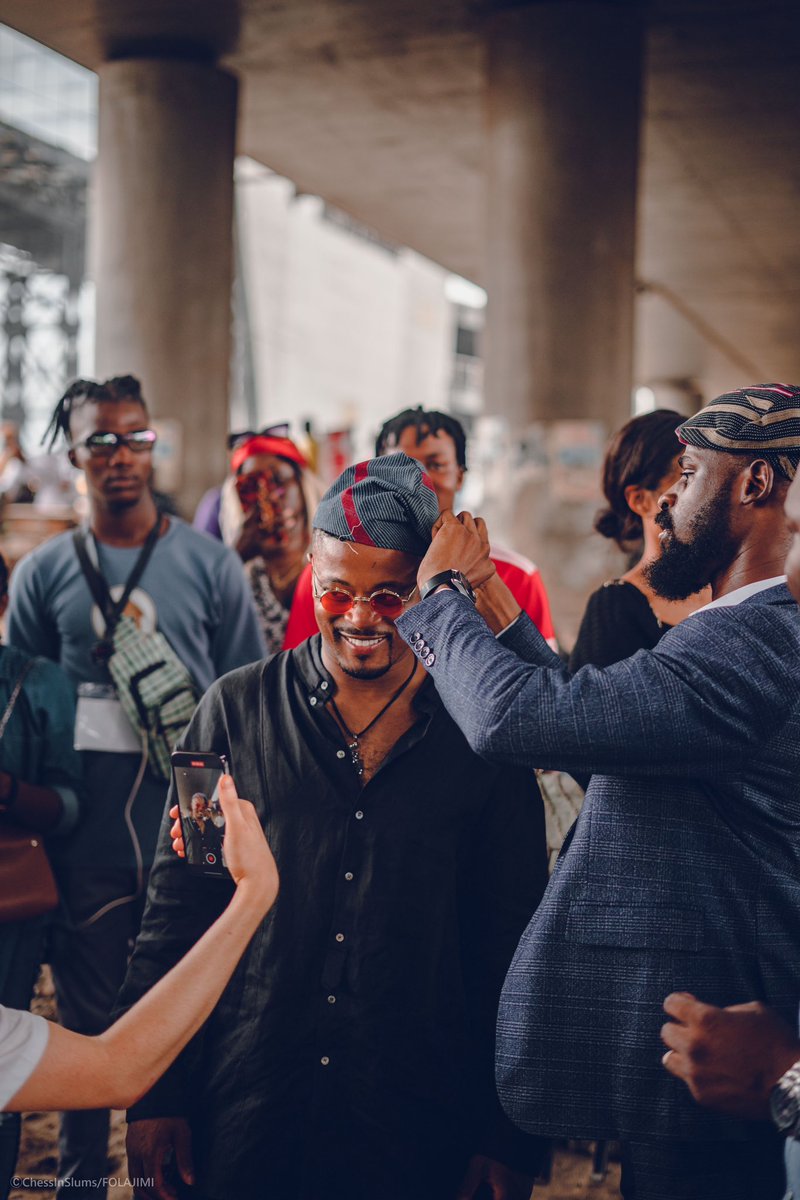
271 613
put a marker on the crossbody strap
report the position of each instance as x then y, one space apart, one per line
112 610
12 700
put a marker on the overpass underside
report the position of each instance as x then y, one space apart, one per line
622 178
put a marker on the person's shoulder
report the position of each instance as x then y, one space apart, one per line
48 676
454 751
760 634
41 674
202 551
50 554
240 684
616 596
508 561
195 541
776 596
765 609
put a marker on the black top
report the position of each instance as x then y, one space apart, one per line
617 622
352 1054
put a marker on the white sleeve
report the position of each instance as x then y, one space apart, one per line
23 1038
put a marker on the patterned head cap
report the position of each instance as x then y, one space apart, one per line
387 502
764 419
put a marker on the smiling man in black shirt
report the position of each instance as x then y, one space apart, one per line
352 1054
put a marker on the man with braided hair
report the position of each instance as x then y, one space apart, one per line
192 589
351 1058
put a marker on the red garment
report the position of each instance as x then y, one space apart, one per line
259 444
523 580
518 573
302 623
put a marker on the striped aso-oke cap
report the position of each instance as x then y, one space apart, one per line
388 502
763 419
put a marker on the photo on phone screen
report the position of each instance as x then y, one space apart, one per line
197 784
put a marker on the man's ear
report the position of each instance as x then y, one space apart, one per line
758 482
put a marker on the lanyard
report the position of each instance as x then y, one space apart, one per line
112 610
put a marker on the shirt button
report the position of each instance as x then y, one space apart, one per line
331 999
313 701
348 876
340 753
324 686
324 1060
359 815
425 650
416 635
430 660
340 937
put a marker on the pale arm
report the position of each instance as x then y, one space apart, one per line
116 1068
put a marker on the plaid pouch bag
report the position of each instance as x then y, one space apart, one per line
154 688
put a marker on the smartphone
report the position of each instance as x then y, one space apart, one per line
197 776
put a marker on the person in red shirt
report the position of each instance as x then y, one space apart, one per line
437 440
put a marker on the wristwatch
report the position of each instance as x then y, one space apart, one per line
784 1102
452 579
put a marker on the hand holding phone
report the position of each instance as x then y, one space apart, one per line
247 852
197 778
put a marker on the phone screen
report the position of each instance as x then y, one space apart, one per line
201 817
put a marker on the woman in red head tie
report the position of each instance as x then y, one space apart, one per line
265 516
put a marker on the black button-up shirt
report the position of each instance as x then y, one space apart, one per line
352 1053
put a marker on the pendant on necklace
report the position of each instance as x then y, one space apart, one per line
355 756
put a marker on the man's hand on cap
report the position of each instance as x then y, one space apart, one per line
460 543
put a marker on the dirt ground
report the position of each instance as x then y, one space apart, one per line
571 1174
571 1177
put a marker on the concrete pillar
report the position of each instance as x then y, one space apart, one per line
563 98
563 109
162 247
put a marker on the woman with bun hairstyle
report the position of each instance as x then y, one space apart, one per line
625 614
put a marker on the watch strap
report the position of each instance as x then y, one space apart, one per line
451 579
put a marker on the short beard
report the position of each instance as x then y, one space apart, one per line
121 506
685 568
366 672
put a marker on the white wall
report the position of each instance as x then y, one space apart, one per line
344 332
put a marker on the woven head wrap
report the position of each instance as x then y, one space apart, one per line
763 419
259 443
387 502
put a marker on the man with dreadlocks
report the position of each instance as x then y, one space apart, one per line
682 872
177 580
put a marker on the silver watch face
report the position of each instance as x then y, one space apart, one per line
462 584
784 1102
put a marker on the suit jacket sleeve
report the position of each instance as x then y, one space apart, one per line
698 705
180 907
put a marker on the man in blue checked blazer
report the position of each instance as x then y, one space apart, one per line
682 872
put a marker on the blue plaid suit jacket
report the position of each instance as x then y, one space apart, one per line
682 871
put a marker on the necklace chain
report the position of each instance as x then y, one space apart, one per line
353 744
